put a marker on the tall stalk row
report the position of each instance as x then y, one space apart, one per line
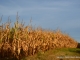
19 41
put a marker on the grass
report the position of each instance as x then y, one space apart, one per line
56 54
21 41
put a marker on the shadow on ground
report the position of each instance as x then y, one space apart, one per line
8 59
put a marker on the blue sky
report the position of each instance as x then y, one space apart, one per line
49 14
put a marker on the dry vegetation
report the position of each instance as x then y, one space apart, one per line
20 40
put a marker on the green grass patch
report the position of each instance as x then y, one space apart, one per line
55 53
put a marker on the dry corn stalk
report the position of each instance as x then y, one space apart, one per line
23 41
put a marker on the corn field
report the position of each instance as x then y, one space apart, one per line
20 40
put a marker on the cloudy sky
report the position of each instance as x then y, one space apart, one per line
49 14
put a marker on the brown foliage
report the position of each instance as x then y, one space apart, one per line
22 41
